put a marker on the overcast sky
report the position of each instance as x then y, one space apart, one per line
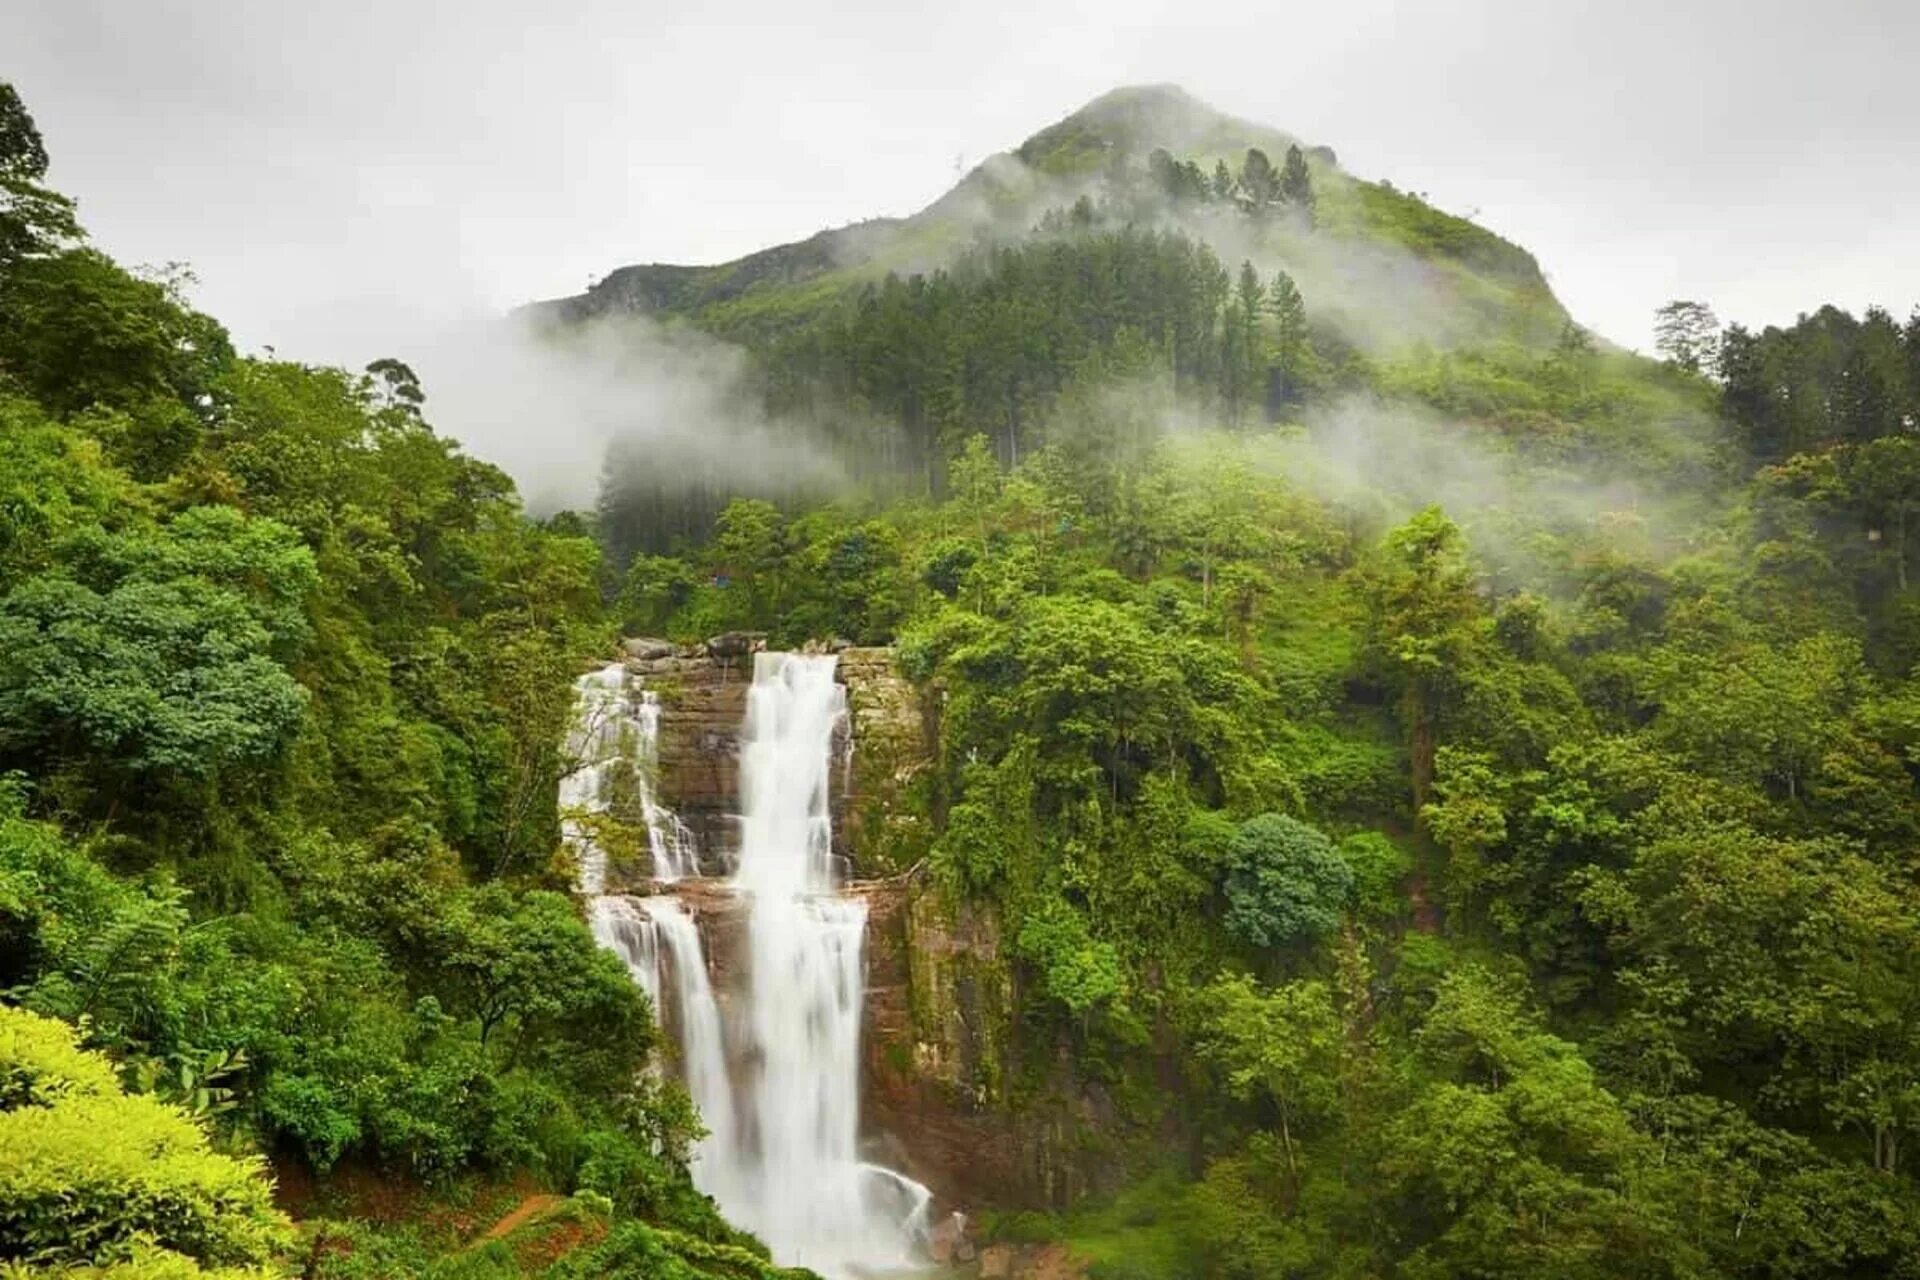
345 176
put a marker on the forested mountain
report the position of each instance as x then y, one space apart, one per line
1444 788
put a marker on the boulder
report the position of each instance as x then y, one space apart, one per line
996 1262
945 1241
648 648
736 644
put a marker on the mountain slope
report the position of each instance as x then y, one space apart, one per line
1399 269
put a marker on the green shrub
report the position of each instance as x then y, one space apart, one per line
88 1175
1378 866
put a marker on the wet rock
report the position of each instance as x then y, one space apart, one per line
893 744
703 699
936 992
702 703
736 644
648 648
948 1237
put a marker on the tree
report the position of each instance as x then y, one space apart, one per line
1794 961
653 591
1285 882
1222 181
746 557
399 384
1290 335
1295 187
33 220
522 963
78 330
1688 335
1246 353
1760 713
1258 181
1872 396
145 678
1076 970
1281 1044
1423 613
1885 476
1513 1160
974 479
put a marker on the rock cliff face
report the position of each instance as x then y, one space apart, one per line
937 1000
703 699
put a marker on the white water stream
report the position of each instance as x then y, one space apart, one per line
613 730
781 1155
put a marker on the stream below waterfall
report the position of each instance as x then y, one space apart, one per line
773 1063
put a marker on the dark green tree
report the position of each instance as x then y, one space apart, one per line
1259 182
1285 882
1295 185
33 220
1688 335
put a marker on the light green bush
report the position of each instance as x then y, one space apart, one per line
89 1175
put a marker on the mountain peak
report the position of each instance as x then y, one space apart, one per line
1128 97
1133 120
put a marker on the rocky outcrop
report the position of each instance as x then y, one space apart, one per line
881 821
703 699
647 648
937 995
936 1094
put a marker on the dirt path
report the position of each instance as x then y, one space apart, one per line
521 1214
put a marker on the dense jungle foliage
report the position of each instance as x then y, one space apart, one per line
1462 790
284 678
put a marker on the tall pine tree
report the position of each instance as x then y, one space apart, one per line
1289 340
1296 185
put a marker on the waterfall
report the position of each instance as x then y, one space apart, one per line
810 1197
781 1153
613 730
668 839
619 925
703 1049
594 742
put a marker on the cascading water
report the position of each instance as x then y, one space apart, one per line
611 730
675 856
619 925
780 1153
703 1048
803 1189
595 742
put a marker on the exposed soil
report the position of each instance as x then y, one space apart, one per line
521 1214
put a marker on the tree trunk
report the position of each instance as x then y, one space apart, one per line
1420 748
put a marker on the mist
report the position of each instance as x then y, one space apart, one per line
552 408
1385 460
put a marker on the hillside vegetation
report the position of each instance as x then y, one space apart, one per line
1446 787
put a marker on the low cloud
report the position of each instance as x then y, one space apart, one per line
552 407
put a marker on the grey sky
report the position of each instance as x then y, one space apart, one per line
346 176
